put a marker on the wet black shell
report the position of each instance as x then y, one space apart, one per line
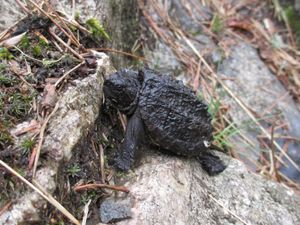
172 115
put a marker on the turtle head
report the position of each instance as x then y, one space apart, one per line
121 89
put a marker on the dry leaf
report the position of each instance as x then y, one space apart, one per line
32 127
15 67
49 97
10 42
242 24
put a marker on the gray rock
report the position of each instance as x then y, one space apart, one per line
112 211
10 13
251 80
171 190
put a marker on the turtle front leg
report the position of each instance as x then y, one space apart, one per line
133 137
211 163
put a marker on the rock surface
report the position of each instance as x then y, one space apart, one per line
172 190
249 76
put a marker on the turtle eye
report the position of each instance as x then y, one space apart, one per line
206 144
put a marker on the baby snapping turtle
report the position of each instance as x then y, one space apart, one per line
164 110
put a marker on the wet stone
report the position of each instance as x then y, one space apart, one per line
113 211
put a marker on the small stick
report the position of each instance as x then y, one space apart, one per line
23 7
73 39
52 201
66 45
101 156
5 32
228 210
5 207
67 73
47 15
55 203
120 52
86 212
273 155
94 186
41 139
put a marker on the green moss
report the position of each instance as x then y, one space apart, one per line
5 137
18 105
27 145
77 16
5 54
294 21
7 80
217 24
2 67
24 43
37 50
97 29
43 43
73 170
90 195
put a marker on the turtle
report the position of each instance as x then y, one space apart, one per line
166 112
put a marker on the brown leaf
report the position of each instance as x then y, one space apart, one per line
32 127
49 96
241 24
15 68
267 54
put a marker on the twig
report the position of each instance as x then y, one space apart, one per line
123 120
67 73
55 203
273 158
228 210
66 45
5 32
94 186
41 139
101 156
73 38
47 15
28 56
282 137
46 197
23 7
86 212
5 207
120 52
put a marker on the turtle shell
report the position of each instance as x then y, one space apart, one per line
173 117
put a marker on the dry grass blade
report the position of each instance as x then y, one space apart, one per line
101 159
46 196
5 207
228 210
120 52
73 38
66 45
47 15
67 73
86 212
95 186
41 139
